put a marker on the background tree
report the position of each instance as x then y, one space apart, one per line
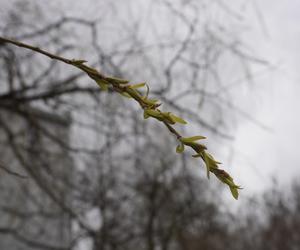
94 168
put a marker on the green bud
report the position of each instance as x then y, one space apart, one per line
177 119
150 102
154 113
78 62
136 86
192 139
235 193
146 116
227 179
102 84
199 148
207 164
133 93
168 118
180 148
93 73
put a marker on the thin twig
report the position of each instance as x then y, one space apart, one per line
8 171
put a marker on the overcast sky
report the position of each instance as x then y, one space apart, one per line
260 154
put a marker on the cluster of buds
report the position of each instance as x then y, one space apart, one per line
210 163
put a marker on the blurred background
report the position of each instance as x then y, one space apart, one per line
81 169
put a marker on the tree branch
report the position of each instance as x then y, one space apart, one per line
150 107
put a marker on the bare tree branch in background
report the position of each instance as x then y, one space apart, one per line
7 170
98 175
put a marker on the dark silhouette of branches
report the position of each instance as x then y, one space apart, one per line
97 174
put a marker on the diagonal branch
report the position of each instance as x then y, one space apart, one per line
150 107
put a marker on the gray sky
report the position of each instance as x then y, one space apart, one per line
260 154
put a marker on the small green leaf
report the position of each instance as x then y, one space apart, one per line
199 148
213 162
133 93
102 84
146 116
147 92
180 148
154 113
136 86
93 73
234 191
177 119
207 164
150 101
227 179
193 138
167 118
229 182
78 62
